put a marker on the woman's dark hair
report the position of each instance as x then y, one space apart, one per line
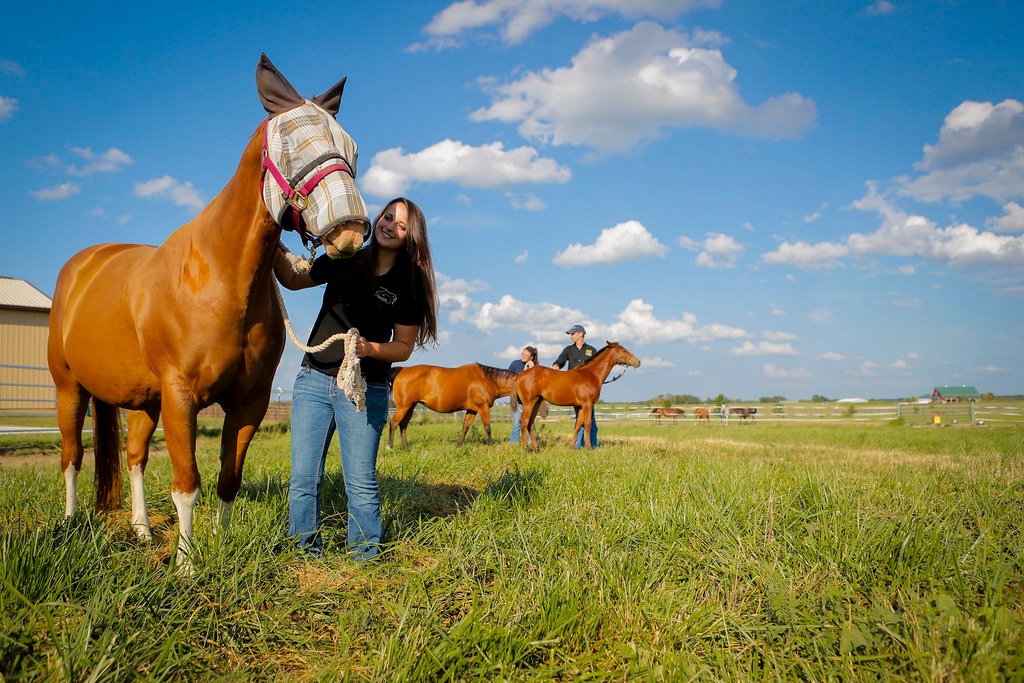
532 350
416 259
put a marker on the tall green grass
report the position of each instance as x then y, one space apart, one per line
781 552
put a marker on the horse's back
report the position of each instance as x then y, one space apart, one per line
443 390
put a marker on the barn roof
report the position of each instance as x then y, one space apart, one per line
963 390
15 293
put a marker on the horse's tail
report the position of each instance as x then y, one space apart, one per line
394 373
106 436
513 397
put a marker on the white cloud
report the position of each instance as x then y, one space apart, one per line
694 373
527 202
638 324
879 7
517 19
980 152
903 234
806 256
180 193
1012 219
62 191
907 269
898 365
775 372
8 105
106 162
544 321
763 348
780 336
992 368
867 368
453 295
629 241
659 80
811 217
11 68
831 355
656 362
717 251
819 315
488 166
523 257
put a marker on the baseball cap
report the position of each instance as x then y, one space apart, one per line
576 328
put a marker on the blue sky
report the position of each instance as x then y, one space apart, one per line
757 199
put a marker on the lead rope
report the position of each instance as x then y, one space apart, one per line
350 379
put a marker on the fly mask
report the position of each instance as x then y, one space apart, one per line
309 160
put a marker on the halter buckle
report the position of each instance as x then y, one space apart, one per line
299 201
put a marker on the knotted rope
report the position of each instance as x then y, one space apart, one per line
350 379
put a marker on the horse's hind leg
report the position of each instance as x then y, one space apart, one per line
485 418
72 402
395 419
468 420
141 425
240 424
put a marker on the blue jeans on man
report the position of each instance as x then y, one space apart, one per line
593 429
517 414
319 408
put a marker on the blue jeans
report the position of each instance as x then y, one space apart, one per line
319 407
516 415
593 429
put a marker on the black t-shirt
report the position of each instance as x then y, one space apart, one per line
392 300
575 355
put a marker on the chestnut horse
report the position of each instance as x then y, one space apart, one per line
579 387
674 413
471 387
702 414
166 331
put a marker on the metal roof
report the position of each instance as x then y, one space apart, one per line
962 390
15 293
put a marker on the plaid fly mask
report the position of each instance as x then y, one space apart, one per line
310 169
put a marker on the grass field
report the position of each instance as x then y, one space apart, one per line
783 552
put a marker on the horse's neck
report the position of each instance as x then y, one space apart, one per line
234 238
603 362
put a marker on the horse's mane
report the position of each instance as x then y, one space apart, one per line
599 352
495 374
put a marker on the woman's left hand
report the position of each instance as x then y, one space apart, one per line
362 347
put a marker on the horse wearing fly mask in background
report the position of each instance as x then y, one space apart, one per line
166 331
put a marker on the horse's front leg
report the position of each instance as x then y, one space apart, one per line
141 425
468 420
583 422
179 410
240 424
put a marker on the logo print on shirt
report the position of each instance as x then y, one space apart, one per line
385 296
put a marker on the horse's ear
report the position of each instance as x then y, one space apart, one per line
276 93
330 99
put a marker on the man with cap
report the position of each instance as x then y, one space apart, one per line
576 354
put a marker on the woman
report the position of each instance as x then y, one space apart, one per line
387 292
527 359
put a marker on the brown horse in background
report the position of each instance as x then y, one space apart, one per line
674 413
166 331
471 387
702 414
580 387
743 412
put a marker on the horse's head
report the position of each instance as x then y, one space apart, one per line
310 165
622 355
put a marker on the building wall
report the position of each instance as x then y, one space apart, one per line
25 383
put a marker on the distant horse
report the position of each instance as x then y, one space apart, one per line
674 413
702 414
471 387
166 331
580 387
743 412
